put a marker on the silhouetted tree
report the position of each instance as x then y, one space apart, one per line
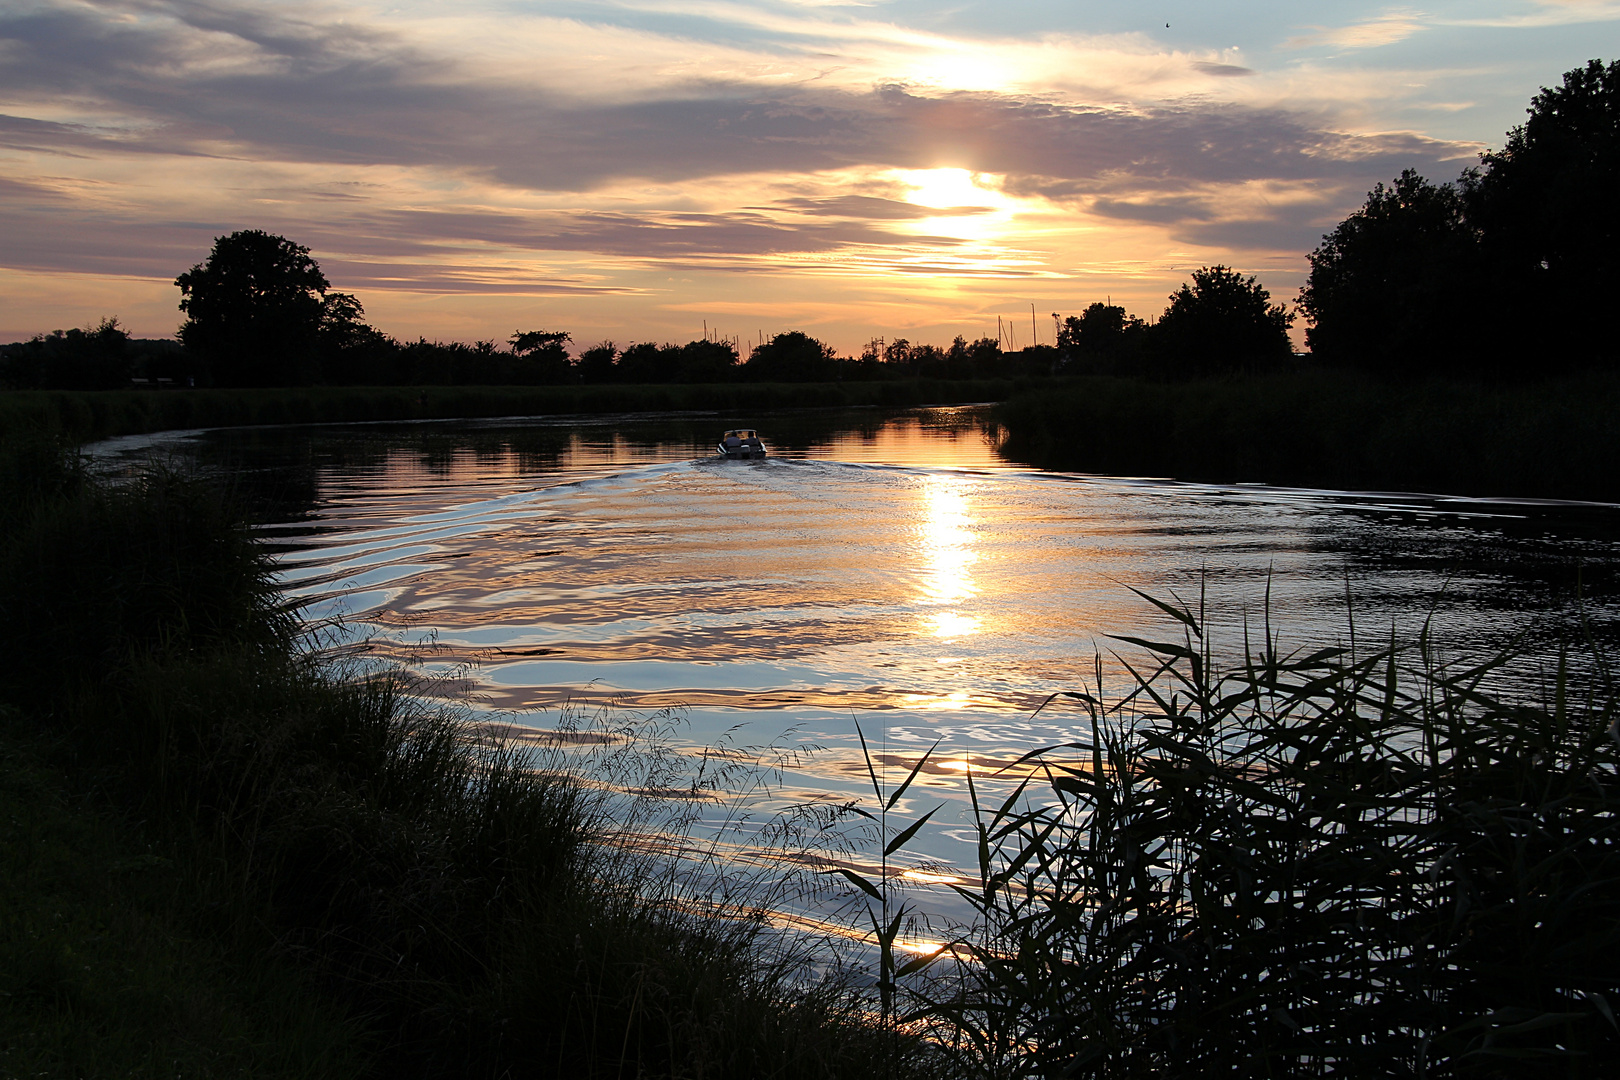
984 356
707 361
1102 338
1396 287
1221 322
792 357
704 361
645 362
541 358
95 358
595 364
351 351
253 310
1547 206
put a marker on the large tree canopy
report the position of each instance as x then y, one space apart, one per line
1513 270
1103 338
1389 286
1548 208
1221 322
791 357
254 310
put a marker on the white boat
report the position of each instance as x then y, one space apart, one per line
741 443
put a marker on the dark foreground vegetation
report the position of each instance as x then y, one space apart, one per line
1321 427
323 877
227 857
1354 862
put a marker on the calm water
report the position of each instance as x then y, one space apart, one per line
886 569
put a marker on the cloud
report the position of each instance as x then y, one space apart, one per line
511 154
1226 71
872 208
1176 209
1388 28
210 79
640 235
1550 13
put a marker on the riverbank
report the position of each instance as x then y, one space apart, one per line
1323 428
323 872
96 414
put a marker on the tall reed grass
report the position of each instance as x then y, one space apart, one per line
1349 862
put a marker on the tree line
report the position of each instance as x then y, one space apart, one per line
259 312
1509 269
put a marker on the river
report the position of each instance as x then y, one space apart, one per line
885 569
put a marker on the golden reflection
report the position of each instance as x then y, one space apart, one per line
949 438
947 541
953 624
929 877
955 700
922 948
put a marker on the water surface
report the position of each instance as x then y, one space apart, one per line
886 569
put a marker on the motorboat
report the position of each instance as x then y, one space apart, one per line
741 443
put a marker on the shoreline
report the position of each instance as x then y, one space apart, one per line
1326 429
88 415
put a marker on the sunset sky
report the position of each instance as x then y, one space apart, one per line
632 170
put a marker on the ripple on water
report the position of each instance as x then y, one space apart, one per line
890 570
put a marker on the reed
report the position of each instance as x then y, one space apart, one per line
1352 861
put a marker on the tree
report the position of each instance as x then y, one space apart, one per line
1546 208
542 358
792 357
253 311
1102 338
596 363
1395 287
1221 322
94 358
707 361
351 351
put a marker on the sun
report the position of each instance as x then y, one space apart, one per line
944 189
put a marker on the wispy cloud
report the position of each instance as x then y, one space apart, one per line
1387 28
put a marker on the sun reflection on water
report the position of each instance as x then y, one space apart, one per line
947 541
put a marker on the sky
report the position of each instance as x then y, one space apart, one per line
653 170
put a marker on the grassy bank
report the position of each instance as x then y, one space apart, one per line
121 955
1331 429
456 907
103 413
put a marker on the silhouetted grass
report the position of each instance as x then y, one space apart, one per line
1320 427
98 414
465 901
1352 862
119 956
